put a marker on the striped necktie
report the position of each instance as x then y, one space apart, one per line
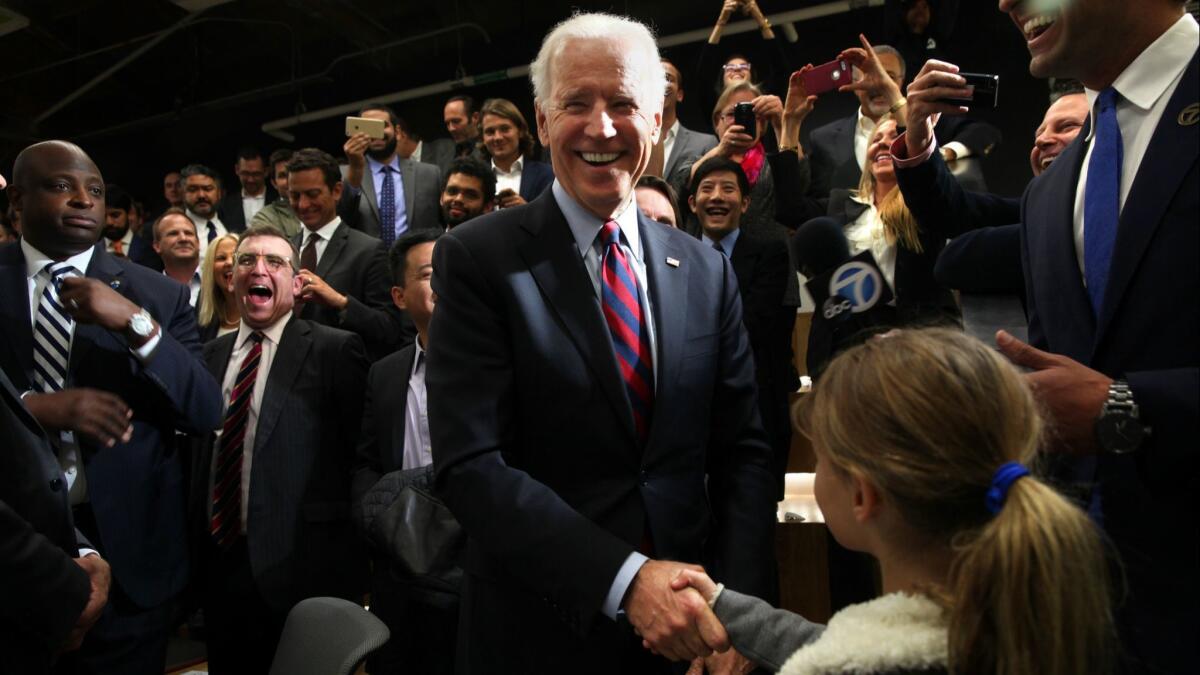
621 301
52 332
227 477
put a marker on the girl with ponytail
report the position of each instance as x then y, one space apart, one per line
922 439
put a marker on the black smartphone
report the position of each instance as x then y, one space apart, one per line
985 91
743 116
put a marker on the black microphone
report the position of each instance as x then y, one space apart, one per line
818 246
851 305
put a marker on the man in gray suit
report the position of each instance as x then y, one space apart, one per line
681 146
271 490
385 195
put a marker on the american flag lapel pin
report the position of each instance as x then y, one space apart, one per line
673 262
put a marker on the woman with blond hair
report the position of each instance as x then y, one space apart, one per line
508 144
922 440
218 313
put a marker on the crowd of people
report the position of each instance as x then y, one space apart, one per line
575 332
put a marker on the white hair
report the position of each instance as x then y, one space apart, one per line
641 52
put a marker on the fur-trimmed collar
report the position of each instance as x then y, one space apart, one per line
894 632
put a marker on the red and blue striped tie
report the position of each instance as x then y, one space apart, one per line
621 300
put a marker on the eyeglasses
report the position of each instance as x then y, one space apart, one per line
736 67
274 262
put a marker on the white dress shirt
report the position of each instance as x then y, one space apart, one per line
1145 88
416 415
867 233
323 235
669 143
241 346
252 204
202 230
511 179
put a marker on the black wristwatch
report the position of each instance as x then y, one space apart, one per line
1119 428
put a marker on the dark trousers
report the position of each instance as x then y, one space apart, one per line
242 630
127 639
423 623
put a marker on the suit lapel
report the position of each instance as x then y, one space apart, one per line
1169 157
288 362
408 178
681 141
553 260
669 305
15 310
402 374
333 250
744 259
103 268
368 190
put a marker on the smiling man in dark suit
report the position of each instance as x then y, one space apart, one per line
1110 250
591 391
343 272
719 197
107 353
271 491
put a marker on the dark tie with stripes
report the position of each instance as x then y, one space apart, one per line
621 300
52 332
227 478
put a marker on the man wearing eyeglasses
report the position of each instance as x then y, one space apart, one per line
271 488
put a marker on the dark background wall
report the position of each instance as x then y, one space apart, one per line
208 87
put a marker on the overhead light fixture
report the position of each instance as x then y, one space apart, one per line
10 21
193 6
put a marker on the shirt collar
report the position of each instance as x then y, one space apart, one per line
274 332
262 196
376 165
673 131
125 239
726 243
1149 76
862 123
417 355
585 226
515 168
36 261
201 220
325 231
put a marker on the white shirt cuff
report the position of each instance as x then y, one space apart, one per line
625 575
144 352
960 150
85 552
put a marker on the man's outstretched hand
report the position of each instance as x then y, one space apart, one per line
679 625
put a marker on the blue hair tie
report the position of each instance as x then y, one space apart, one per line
1002 480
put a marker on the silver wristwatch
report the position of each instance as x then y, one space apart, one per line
1119 428
141 324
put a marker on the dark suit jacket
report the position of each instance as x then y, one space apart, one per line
422 183
299 537
987 258
136 489
1148 332
356 266
141 251
534 443
689 146
762 268
381 438
535 178
44 590
830 149
438 152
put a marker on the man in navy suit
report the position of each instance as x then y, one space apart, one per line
107 353
591 394
1109 250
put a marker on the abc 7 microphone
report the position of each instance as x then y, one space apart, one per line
851 305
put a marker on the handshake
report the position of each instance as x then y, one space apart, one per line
668 606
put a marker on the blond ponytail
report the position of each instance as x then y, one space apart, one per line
1030 591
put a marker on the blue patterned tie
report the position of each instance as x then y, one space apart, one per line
387 208
1102 198
621 301
52 332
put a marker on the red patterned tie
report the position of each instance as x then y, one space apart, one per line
621 301
227 479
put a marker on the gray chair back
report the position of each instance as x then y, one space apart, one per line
327 636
